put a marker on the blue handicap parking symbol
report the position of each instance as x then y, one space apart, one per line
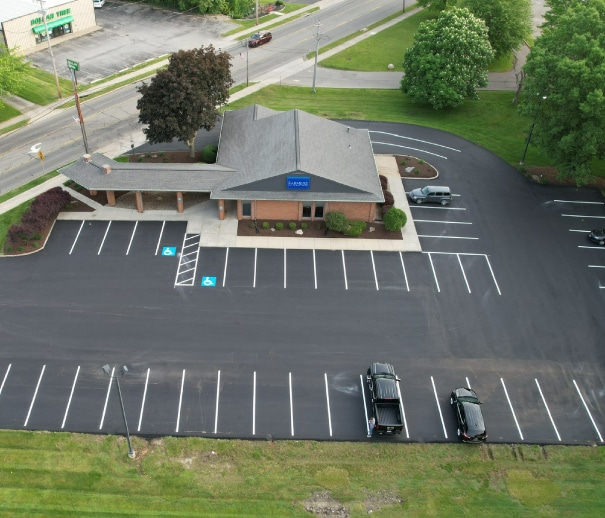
169 251
208 281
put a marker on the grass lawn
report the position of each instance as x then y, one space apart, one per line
39 87
61 474
8 112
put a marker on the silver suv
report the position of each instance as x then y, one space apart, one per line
431 194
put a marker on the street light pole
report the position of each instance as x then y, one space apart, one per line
531 129
50 48
317 38
110 372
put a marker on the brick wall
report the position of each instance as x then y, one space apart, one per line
358 211
277 210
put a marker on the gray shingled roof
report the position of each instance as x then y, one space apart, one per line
145 177
265 146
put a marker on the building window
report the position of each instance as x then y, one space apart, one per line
319 210
306 212
246 209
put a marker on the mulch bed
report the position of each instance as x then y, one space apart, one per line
420 168
315 229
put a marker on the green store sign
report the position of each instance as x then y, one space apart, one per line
50 17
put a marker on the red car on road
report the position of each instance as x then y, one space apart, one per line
258 38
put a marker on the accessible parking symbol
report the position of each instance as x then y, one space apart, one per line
169 251
208 281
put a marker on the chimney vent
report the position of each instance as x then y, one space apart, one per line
87 158
106 168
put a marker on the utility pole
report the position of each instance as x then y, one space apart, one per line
317 38
43 12
73 68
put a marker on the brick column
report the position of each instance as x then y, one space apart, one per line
221 209
179 202
111 197
139 199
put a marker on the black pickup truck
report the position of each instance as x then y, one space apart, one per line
386 404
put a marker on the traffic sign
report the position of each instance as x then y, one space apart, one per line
169 251
74 65
209 281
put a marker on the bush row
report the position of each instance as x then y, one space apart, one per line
280 226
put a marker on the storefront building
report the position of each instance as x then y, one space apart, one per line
22 24
276 165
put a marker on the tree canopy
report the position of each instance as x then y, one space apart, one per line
436 5
448 60
183 98
509 22
12 67
567 66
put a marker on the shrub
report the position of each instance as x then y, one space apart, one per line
279 226
9 248
402 162
394 219
266 225
388 198
252 224
383 182
20 249
317 226
303 226
355 228
420 161
292 225
209 153
140 159
386 208
336 221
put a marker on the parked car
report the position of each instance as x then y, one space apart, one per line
597 236
467 407
386 405
258 38
431 194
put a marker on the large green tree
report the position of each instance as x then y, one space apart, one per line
448 60
436 5
567 66
509 22
12 66
183 98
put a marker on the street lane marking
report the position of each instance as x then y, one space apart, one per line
255 257
405 423
291 405
448 237
254 404
374 269
8 369
31 406
439 407
285 268
463 273
104 237
344 269
73 387
160 238
132 237
512 409
415 140
365 405
106 398
405 275
314 269
434 274
225 269
547 409
328 404
178 417
584 202
143 401
444 222
218 389
588 411
76 239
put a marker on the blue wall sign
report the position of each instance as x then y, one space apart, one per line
169 251
298 183
208 281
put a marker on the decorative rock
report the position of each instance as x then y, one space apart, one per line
299 232
371 229
409 169
391 66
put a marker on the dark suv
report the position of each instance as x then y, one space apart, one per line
466 404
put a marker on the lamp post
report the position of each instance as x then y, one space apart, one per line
43 12
110 372
531 129
245 43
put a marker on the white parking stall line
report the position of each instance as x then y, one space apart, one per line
291 405
189 255
578 230
71 394
136 223
254 404
581 216
601 248
106 398
405 275
415 140
493 276
255 258
596 266
405 423
225 269
581 202
547 409
8 369
448 237
285 268
390 144
328 404
218 391
76 239
104 237
314 269
374 270
588 411
143 401
157 248
468 383
439 407
512 409
463 273
434 274
443 222
178 416
422 206
344 269
31 405
365 405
